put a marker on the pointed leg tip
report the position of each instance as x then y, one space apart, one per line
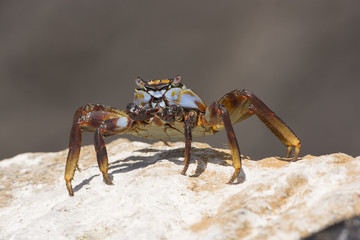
296 153
108 182
231 181
234 176
296 150
295 158
107 179
289 151
183 172
69 188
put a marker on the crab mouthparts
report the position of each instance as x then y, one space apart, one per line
158 102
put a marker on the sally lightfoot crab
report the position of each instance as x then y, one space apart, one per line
167 110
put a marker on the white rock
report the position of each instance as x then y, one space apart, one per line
150 199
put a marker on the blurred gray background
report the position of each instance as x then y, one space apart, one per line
302 58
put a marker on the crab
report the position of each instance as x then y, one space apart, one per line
165 109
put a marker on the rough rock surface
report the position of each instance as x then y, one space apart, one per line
150 199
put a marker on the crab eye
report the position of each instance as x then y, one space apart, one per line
140 82
177 80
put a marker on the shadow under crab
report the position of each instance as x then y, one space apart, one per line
202 156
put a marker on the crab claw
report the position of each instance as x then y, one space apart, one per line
140 113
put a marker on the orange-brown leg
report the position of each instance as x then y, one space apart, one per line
101 156
275 124
101 119
112 126
189 121
74 150
234 146
215 114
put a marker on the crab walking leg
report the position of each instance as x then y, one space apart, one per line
189 120
214 115
101 155
107 128
234 146
74 150
275 124
102 120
